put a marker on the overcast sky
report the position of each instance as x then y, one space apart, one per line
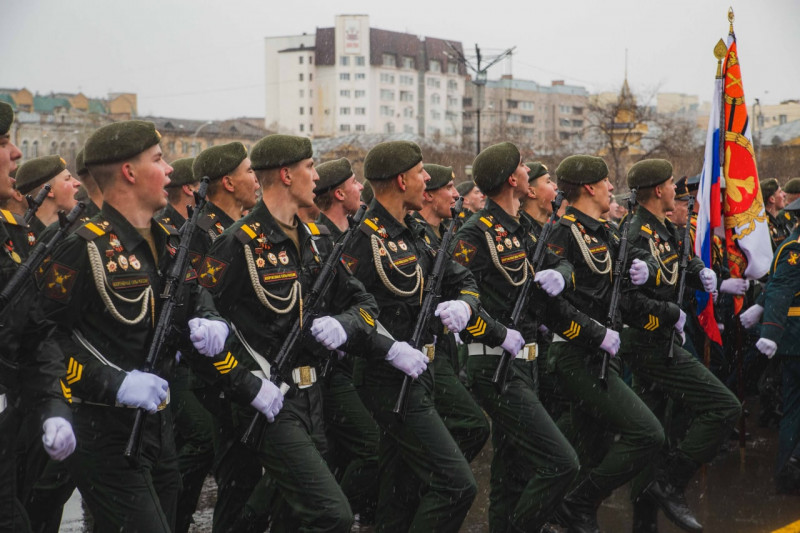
204 60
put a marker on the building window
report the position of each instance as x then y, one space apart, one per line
310 60
449 130
344 110
406 80
344 76
361 111
527 119
386 94
408 112
360 93
300 59
389 127
171 147
433 82
302 93
436 115
387 78
344 61
564 122
577 111
434 65
466 102
361 127
301 110
452 85
452 67
310 110
563 135
301 76
311 76
408 62
527 106
301 127
53 148
565 109
452 101
360 61
361 76
577 123
25 149
310 127
512 104
436 99
389 60
184 147
387 111
406 96
451 115
345 93
344 127
408 129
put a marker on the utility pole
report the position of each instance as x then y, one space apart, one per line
479 80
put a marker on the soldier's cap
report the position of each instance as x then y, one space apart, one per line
537 170
440 176
367 194
769 187
693 183
794 206
6 117
38 171
182 173
649 173
332 174
120 141
465 187
492 167
80 164
792 186
388 159
580 169
218 161
275 151
681 192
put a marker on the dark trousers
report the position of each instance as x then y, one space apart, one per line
533 464
13 518
789 435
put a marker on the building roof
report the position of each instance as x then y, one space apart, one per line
7 98
237 127
439 49
783 133
325 46
48 104
391 42
366 141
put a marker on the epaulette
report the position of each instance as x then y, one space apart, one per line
487 221
246 233
92 230
787 216
318 229
169 229
11 218
567 220
373 226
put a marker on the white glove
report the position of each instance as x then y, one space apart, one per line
459 342
610 342
141 389
751 316
681 321
721 327
543 329
454 314
269 400
58 438
715 296
406 359
767 347
550 281
709 280
208 336
737 286
328 332
514 341
639 272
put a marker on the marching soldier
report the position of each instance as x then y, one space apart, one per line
390 256
598 411
182 185
792 192
474 200
93 195
681 377
31 383
259 271
533 464
352 433
105 305
47 170
774 202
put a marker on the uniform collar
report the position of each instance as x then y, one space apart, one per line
170 213
591 223
393 228
127 234
270 227
324 220
219 215
500 216
663 229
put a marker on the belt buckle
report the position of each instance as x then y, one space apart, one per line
304 376
430 351
532 351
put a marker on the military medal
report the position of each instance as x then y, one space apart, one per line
392 246
516 242
507 242
260 263
111 266
500 248
594 239
31 238
114 242
219 227
272 258
123 263
381 251
403 246
109 253
283 257
587 239
661 248
383 233
666 245
134 262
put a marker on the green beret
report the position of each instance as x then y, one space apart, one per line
792 186
681 190
440 176
769 187
218 161
580 169
465 187
649 173
6 117
182 173
39 171
332 174
367 194
120 141
388 159
80 164
537 170
275 151
494 165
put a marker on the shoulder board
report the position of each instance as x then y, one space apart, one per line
91 230
602 220
11 218
206 221
318 229
787 215
169 229
487 222
567 220
370 226
245 233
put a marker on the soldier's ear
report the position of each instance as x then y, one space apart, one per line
127 172
286 179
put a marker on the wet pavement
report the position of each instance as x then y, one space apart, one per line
731 496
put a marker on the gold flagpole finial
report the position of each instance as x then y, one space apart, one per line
720 51
730 18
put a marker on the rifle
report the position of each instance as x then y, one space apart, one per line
619 264
173 283
429 302
35 203
284 360
684 262
19 280
521 305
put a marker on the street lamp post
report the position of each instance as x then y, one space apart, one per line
759 126
194 136
480 84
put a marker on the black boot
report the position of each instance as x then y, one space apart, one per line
645 515
578 511
667 490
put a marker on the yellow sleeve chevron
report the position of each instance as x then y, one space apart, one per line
475 294
573 331
478 329
366 316
74 371
227 365
652 323
66 391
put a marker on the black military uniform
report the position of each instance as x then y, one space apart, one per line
779 226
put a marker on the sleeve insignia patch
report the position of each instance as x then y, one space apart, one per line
464 252
211 272
58 282
558 250
793 257
349 262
